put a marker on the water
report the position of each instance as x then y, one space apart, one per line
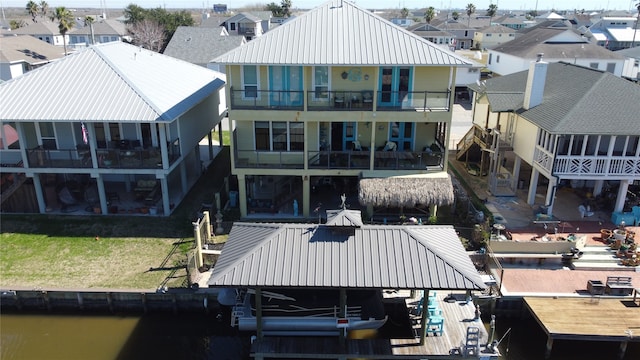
200 336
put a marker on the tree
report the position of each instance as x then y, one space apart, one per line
32 9
133 14
88 21
44 8
148 34
430 14
16 24
286 8
455 15
65 23
404 13
491 11
470 10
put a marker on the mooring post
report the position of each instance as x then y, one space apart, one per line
144 302
80 302
110 302
547 353
45 297
622 350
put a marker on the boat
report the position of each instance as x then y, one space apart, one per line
307 312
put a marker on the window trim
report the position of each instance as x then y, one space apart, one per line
271 137
41 138
244 84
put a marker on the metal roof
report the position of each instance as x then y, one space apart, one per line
108 82
576 100
317 256
341 33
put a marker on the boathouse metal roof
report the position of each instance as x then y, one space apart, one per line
108 82
320 256
341 33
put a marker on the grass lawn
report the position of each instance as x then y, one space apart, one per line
118 252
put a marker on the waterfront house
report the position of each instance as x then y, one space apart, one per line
248 25
572 125
557 44
335 96
199 45
20 54
108 122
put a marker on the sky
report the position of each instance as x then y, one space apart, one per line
369 4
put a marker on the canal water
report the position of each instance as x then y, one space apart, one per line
200 336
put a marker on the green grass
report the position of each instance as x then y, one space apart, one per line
226 136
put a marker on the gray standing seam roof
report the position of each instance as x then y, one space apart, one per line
576 100
340 33
373 256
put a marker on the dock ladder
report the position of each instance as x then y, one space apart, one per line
472 343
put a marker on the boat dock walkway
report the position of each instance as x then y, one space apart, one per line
458 314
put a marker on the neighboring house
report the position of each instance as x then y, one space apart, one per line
103 31
402 22
463 35
512 22
631 68
492 36
46 31
318 106
245 24
126 122
433 34
614 33
557 44
199 45
567 123
19 54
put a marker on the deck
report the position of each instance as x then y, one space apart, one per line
458 314
588 318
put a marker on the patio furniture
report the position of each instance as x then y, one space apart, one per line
595 287
619 285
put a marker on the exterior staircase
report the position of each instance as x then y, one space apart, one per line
599 258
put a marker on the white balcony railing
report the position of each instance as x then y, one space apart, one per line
594 165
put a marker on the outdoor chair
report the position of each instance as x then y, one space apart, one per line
636 215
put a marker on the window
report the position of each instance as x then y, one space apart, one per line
611 67
593 65
497 59
487 35
232 26
250 81
321 82
490 56
47 135
279 136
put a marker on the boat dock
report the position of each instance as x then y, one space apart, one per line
587 318
458 314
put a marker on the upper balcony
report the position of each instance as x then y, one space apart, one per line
588 165
338 100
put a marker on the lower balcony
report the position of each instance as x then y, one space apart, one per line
107 158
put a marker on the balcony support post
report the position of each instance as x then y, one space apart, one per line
42 206
242 190
306 196
533 185
622 195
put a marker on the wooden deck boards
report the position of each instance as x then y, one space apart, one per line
458 316
586 318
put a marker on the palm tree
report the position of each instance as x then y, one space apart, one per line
88 21
404 13
470 10
430 14
491 11
44 8
65 23
32 9
455 15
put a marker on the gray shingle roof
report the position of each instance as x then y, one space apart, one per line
103 27
28 49
577 100
374 256
530 44
39 28
199 45
340 33
108 82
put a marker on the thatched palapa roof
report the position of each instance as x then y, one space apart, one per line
406 191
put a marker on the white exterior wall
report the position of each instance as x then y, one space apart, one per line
10 71
466 76
506 64
631 69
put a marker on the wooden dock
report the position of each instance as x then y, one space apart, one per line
458 316
587 319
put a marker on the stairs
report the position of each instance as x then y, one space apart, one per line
472 343
599 258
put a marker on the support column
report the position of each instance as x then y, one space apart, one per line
259 333
533 186
92 144
210 143
622 195
183 178
547 353
551 194
597 187
424 318
517 163
42 205
306 196
165 196
102 195
622 350
433 210
242 195
164 151
343 313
